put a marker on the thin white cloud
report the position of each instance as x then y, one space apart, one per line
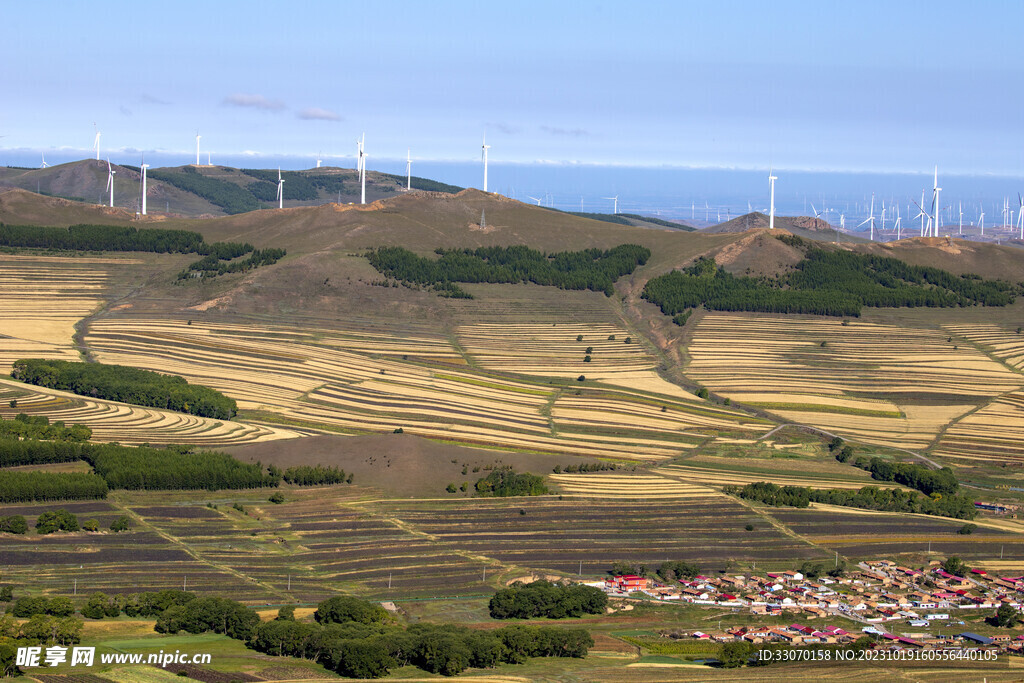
318 114
125 111
567 132
253 102
146 98
506 128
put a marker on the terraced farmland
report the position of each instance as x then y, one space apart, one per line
43 298
628 486
993 434
881 384
560 534
362 381
861 534
740 476
130 424
1002 343
324 541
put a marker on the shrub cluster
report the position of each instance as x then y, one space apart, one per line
316 475
214 265
38 427
546 599
202 615
924 479
504 482
126 384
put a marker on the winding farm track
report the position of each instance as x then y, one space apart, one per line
808 428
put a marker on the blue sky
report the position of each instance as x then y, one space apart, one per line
883 86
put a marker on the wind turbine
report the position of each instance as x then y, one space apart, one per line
197 147
981 219
881 230
143 168
935 204
359 154
536 199
408 169
318 159
871 218
816 212
616 205
1020 215
483 156
96 143
44 165
280 189
961 231
771 216
842 221
110 182
922 213
899 220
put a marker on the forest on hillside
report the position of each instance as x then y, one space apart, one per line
593 269
834 283
127 385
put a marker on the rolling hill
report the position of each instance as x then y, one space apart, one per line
205 191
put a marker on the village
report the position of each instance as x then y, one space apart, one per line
899 606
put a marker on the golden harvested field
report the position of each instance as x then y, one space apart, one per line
130 424
710 476
1004 344
608 486
993 434
43 298
880 384
362 381
552 349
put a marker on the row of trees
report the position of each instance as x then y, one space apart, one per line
38 427
14 452
102 238
586 467
316 475
592 269
126 467
835 283
670 570
868 497
924 479
505 482
126 384
18 487
546 599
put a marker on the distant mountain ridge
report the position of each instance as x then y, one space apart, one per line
207 191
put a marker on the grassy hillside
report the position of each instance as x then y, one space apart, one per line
205 191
